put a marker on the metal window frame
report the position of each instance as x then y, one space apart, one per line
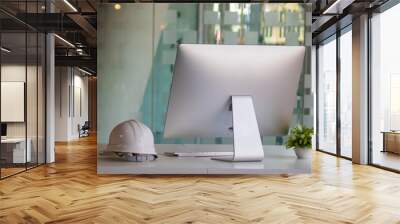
334 37
387 5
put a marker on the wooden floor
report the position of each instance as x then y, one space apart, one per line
387 159
5 172
70 191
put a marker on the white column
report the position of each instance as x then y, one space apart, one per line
360 90
50 99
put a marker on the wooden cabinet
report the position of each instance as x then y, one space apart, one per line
391 142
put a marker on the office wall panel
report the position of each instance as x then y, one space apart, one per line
71 102
125 45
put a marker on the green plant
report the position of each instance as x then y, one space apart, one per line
300 137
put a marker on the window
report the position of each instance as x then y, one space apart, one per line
346 93
327 96
385 89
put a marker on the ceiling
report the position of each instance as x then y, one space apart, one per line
76 22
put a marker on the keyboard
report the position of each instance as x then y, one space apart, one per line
198 154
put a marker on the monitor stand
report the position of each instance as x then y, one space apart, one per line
247 145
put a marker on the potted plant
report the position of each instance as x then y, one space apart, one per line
300 139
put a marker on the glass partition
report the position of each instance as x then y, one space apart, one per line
13 109
22 93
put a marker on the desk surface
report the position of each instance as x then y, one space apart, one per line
13 140
391 132
277 161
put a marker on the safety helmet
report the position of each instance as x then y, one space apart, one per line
133 141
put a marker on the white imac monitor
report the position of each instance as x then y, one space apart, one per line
239 91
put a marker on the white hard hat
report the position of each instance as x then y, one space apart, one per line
133 141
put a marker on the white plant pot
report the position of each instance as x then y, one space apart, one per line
302 153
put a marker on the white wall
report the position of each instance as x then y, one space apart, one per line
62 81
67 116
124 63
50 94
360 90
33 127
12 73
80 83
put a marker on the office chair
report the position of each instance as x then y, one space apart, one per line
84 130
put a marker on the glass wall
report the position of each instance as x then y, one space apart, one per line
385 89
144 84
346 93
13 89
334 96
22 94
327 95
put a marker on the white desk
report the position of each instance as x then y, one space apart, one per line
19 155
277 161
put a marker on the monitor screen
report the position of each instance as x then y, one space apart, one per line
3 129
207 76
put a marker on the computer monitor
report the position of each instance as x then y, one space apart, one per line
3 130
239 91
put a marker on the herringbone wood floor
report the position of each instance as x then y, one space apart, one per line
70 191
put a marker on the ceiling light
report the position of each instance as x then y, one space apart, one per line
162 27
70 5
65 41
5 50
84 71
117 6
